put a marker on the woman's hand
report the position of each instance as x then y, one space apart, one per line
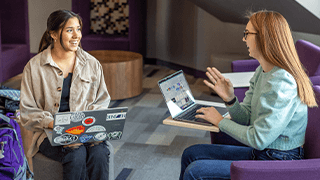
223 87
209 114
50 125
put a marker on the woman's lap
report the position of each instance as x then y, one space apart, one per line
210 161
80 161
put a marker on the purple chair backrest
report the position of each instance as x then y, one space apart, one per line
309 55
312 140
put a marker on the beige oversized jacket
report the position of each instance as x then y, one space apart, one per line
41 86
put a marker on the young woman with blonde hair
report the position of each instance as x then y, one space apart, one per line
273 116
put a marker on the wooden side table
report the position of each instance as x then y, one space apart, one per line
122 72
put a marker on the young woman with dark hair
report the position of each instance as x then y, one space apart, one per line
272 118
62 77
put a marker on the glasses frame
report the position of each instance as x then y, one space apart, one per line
245 34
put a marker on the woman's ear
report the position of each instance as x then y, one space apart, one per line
53 35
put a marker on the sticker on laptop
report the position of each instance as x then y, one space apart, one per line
96 128
65 139
88 121
62 119
114 135
84 138
58 129
116 116
100 136
76 130
77 116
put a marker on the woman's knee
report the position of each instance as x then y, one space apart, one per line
75 155
98 152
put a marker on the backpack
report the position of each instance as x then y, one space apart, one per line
13 163
9 99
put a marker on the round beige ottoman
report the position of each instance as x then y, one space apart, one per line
122 72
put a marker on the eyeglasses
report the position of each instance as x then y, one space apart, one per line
245 34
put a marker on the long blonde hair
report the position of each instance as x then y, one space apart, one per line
274 39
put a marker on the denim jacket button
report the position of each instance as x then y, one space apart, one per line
56 105
59 89
60 73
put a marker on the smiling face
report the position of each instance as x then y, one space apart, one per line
71 36
251 41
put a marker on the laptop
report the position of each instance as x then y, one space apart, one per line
87 126
180 101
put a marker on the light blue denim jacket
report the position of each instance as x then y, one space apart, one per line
271 114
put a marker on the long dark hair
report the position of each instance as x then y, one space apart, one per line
56 20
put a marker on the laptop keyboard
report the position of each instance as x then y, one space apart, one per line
190 114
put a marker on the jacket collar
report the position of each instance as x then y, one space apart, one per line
46 57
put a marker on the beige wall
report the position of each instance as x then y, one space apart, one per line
177 32
39 11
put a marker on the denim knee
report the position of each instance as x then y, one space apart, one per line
75 155
98 152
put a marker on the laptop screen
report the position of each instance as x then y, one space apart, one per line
176 92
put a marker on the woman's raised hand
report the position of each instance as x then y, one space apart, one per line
223 87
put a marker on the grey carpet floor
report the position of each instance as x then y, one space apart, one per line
150 150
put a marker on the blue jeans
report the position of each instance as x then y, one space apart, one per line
88 161
213 161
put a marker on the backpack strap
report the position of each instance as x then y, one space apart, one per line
5 118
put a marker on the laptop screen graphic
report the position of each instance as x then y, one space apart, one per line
177 93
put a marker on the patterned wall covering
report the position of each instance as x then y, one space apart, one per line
109 17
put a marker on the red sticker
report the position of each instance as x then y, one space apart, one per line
76 130
88 121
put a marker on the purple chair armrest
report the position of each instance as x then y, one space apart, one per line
276 170
315 80
244 65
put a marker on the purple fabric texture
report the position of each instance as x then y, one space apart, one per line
309 55
135 41
14 44
276 170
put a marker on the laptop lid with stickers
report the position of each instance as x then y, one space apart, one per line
87 126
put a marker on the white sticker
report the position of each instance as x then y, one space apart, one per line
58 129
65 139
88 121
96 128
116 116
77 116
114 135
62 119
100 136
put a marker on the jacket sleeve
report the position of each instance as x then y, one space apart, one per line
278 106
102 99
32 116
241 112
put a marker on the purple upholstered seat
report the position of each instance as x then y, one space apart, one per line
134 42
14 38
287 170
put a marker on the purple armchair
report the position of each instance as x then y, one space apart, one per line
14 38
291 170
135 41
